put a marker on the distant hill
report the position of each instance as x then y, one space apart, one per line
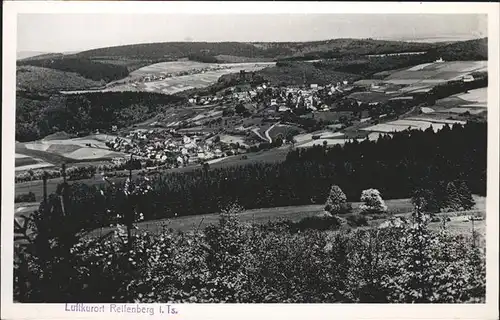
113 63
476 49
29 54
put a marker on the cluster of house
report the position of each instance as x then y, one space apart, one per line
281 98
311 97
168 147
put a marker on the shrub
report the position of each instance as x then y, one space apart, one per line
25 197
336 203
234 262
316 223
356 220
373 202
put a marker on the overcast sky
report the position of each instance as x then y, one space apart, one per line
75 32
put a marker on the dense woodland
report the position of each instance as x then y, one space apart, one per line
367 66
397 166
38 115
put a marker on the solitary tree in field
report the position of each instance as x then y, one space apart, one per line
372 202
336 203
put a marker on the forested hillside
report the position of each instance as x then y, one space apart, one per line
465 50
38 115
36 79
85 67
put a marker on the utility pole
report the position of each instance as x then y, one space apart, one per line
64 188
45 175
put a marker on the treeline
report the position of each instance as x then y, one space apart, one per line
87 68
397 166
202 58
39 116
476 49
180 49
314 49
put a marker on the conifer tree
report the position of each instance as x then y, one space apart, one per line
452 197
336 203
466 200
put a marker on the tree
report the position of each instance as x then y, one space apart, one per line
453 201
278 141
466 200
336 203
240 109
373 202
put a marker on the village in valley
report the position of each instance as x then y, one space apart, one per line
212 127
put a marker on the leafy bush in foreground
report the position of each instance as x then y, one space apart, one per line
235 262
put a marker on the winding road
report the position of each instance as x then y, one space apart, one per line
268 130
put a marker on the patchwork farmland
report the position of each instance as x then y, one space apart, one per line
473 102
184 75
47 153
434 73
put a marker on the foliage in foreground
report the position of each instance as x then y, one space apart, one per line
236 262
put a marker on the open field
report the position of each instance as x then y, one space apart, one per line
77 149
25 162
436 72
258 216
474 102
227 138
477 95
176 84
368 97
323 134
187 65
38 165
402 125
329 142
401 207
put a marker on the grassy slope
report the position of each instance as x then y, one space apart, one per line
294 213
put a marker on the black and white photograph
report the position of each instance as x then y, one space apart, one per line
232 158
